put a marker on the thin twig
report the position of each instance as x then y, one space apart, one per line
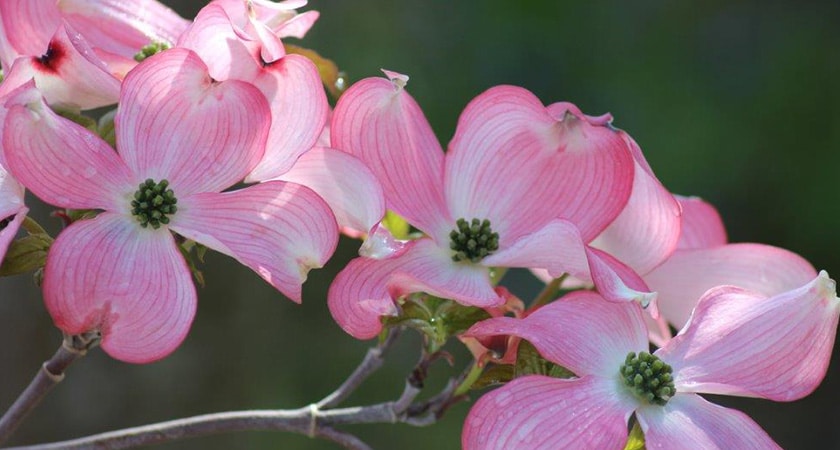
549 292
373 360
49 375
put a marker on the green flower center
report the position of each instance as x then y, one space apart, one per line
472 241
152 48
153 203
648 377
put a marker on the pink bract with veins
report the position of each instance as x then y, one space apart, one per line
128 281
548 180
737 342
236 46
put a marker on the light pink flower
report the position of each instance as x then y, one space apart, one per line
278 17
703 259
548 180
682 270
12 210
737 342
121 273
115 29
235 45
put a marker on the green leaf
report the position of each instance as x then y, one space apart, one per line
529 361
494 375
106 128
636 440
26 254
186 250
457 318
333 79
79 118
396 225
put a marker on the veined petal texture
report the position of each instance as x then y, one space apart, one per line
580 331
176 123
542 413
279 230
380 123
742 343
60 161
129 283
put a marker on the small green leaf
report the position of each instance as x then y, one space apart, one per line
636 440
529 361
26 254
457 318
328 70
493 375
106 128
396 225
79 118
185 248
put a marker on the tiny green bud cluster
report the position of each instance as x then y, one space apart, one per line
472 241
153 203
151 49
648 377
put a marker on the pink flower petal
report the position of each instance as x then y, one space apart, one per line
380 123
702 226
537 412
559 247
429 268
299 110
347 185
280 230
299 25
11 204
123 27
366 288
8 231
68 73
647 230
176 123
222 45
60 161
741 343
688 421
511 157
358 296
130 283
27 27
687 274
580 331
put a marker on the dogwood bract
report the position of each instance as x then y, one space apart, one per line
182 139
522 185
737 342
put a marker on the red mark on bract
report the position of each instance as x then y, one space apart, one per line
51 60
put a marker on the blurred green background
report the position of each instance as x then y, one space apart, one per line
733 101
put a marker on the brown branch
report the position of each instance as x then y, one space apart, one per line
50 374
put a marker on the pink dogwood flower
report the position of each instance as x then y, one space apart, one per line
700 259
522 185
235 45
115 29
78 50
182 139
737 342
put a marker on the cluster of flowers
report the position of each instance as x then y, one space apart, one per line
207 104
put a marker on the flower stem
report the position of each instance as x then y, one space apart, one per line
549 292
50 374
